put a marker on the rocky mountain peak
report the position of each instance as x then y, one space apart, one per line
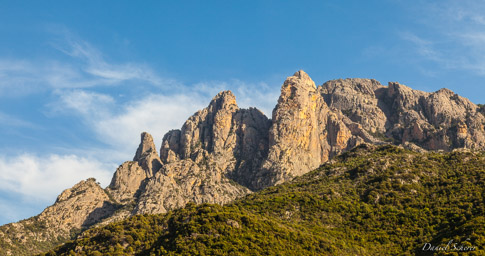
445 91
81 186
146 147
304 132
146 155
223 100
131 175
300 74
297 87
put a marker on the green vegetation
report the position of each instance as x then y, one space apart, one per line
20 240
370 201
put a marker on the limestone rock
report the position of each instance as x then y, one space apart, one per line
187 181
295 145
252 145
440 120
169 152
236 139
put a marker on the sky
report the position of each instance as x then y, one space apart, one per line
80 80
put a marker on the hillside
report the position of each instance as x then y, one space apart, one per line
370 201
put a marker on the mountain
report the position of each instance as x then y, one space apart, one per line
223 152
372 200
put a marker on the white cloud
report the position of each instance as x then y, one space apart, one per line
44 177
84 102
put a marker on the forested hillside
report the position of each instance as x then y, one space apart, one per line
369 201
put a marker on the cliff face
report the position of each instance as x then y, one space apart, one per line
223 152
441 120
305 132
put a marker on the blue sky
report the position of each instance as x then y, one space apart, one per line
79 81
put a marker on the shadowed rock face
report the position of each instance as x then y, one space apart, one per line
147 156
223 152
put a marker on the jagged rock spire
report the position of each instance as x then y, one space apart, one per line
131 174
147 156
297 87
223 100
147 146
294 135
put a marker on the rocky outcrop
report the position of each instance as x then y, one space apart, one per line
232 140
131 176
188 181
77 208
81 206
146 155
126 181
357 99
216 148
441 120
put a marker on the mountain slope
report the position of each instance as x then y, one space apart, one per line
370 201
224 152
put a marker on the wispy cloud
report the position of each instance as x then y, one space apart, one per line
86 67
95 105
424 47
11 121
458 34
96 66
